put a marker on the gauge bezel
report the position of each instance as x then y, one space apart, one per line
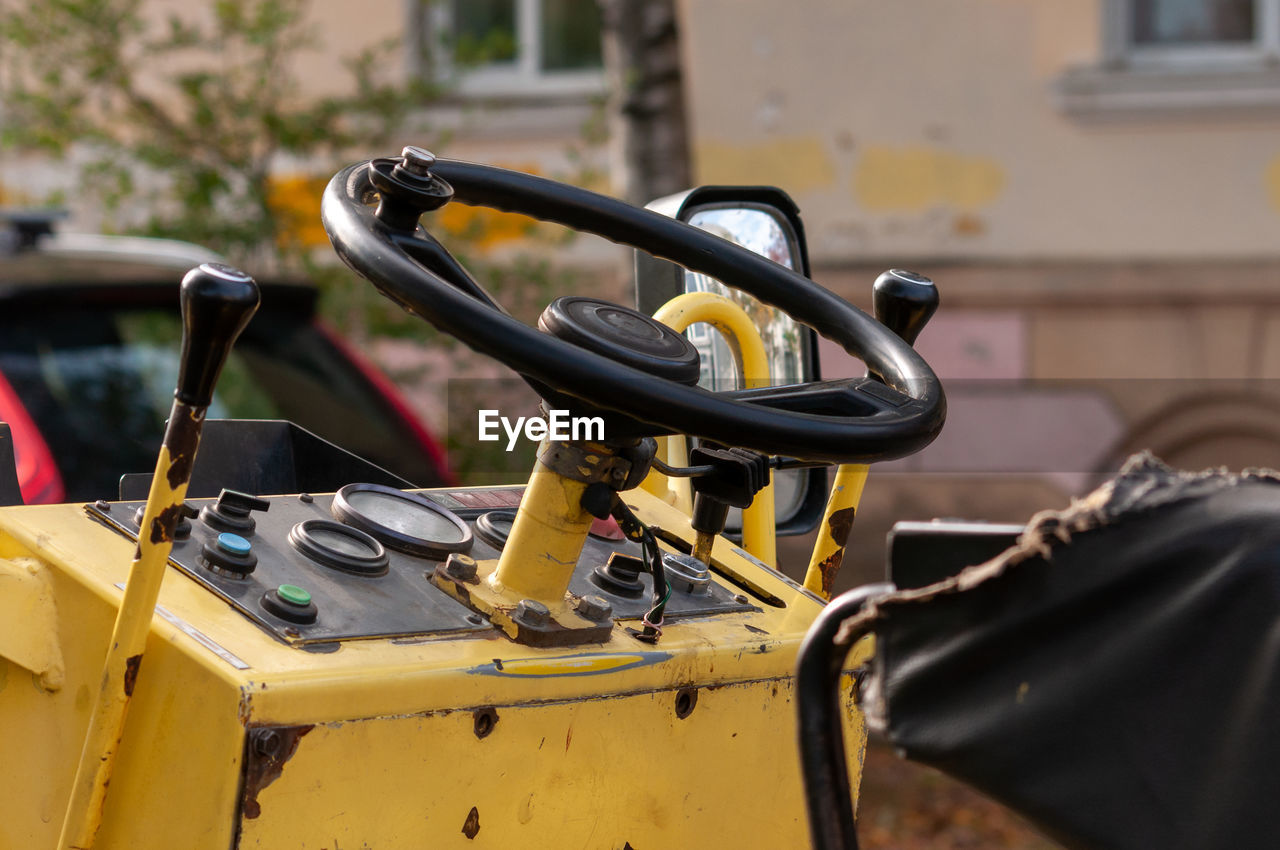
302 538
488 532
423 547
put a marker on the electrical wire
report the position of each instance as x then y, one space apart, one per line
637 531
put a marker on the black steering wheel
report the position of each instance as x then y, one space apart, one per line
856 421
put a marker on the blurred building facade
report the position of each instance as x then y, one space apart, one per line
1093 184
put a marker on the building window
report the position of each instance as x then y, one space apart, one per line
1192 33
1178 57
513 47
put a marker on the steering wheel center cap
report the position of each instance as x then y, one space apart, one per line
623 335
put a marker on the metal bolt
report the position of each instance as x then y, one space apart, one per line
267 742
474 619
102 505
741 599
595 607
461 567
417 160
306 498
532 612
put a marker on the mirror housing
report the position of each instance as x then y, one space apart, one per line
801 494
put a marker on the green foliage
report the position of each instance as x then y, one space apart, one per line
178 124
203 103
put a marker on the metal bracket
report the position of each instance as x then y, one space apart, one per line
525 621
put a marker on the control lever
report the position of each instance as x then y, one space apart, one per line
217 302
904 302
736 475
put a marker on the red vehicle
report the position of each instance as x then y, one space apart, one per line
89 334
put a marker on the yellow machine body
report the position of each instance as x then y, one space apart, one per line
236 738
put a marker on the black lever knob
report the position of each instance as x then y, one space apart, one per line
904 302
217 303
232 512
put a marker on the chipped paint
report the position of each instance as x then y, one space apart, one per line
131 667
471 826
267 752
800 163
917 178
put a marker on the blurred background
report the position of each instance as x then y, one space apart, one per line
1093 184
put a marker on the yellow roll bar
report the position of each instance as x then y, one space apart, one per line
745 342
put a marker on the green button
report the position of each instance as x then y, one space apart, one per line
293 594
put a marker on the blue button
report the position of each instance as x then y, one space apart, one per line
233 544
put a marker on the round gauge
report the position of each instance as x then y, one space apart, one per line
402 521
495 527
339 547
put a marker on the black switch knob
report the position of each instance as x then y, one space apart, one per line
904 301
217 303
231 512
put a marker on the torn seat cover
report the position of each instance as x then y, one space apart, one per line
1114 677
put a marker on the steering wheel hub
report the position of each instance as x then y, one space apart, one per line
623 335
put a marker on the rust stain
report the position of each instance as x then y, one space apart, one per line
830 567
267 752
180 469
839 525
163 525
131 673
471 826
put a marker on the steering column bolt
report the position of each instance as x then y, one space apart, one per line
461 567
532 613
595 607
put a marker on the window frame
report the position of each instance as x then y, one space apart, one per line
520 79
1120 51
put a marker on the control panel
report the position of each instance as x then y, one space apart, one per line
312 570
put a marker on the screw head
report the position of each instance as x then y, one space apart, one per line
595 607
461 567
417 160
532 612
102 505
267 742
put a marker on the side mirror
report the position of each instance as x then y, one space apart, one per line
765 220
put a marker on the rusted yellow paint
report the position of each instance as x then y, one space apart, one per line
800 163
120 670
587 748
833 533
917 178
1271 180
